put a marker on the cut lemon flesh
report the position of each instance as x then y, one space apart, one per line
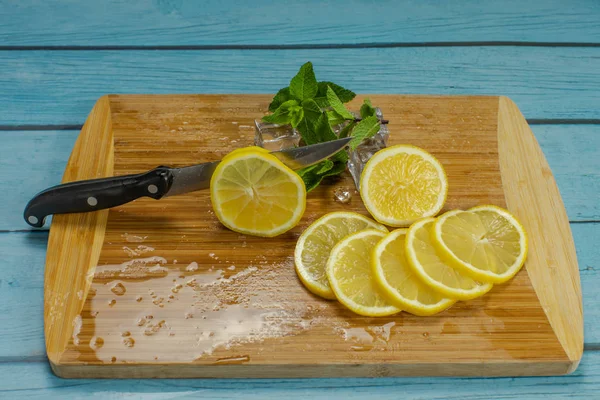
315 244
403 183
426 263
399 282
486 242
254 193
350 276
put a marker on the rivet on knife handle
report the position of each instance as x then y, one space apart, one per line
97 194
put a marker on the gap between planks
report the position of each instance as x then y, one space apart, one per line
300 46
536 121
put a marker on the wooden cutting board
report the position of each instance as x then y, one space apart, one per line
161 289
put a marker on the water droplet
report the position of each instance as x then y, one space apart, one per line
342 195
129 342
96 342
176 288
171 333
426 334
191 283
125 334
158 302
118 289
189 315
141 322
171 296
174 261
192 267
113 359
138 299
112 302
231 268
94 313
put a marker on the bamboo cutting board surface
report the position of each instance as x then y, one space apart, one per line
161 289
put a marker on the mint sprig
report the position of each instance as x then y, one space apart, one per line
313 108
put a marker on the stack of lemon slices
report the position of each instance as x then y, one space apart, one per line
423 269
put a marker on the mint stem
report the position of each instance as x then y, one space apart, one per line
382 121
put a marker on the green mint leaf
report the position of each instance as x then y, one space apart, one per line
311 181
304 85
308 132
326 165
323 129
363 130
297 114
343 94
306 170
282 96
282 115
334 118
345 132
322 101
312 111
338 167
337 104
313 175
340 156
367 109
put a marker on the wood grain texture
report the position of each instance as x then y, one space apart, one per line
151 23
60 87
39 158
551 262
22 285
75 240
177 295
35 381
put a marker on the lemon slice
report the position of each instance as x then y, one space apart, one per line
254 193
315 244
398 281
432 270
486 242
403 183
350 276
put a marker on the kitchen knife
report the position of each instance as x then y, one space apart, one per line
99 194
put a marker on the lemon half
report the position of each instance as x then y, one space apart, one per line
254 193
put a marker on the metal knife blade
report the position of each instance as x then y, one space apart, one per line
197 177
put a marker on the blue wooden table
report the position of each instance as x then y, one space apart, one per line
57 58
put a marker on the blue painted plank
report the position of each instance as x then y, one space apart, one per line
60 87
32 161
22 296
35 381
22 274
573 152
171 22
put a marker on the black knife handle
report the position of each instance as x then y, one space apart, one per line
97 194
